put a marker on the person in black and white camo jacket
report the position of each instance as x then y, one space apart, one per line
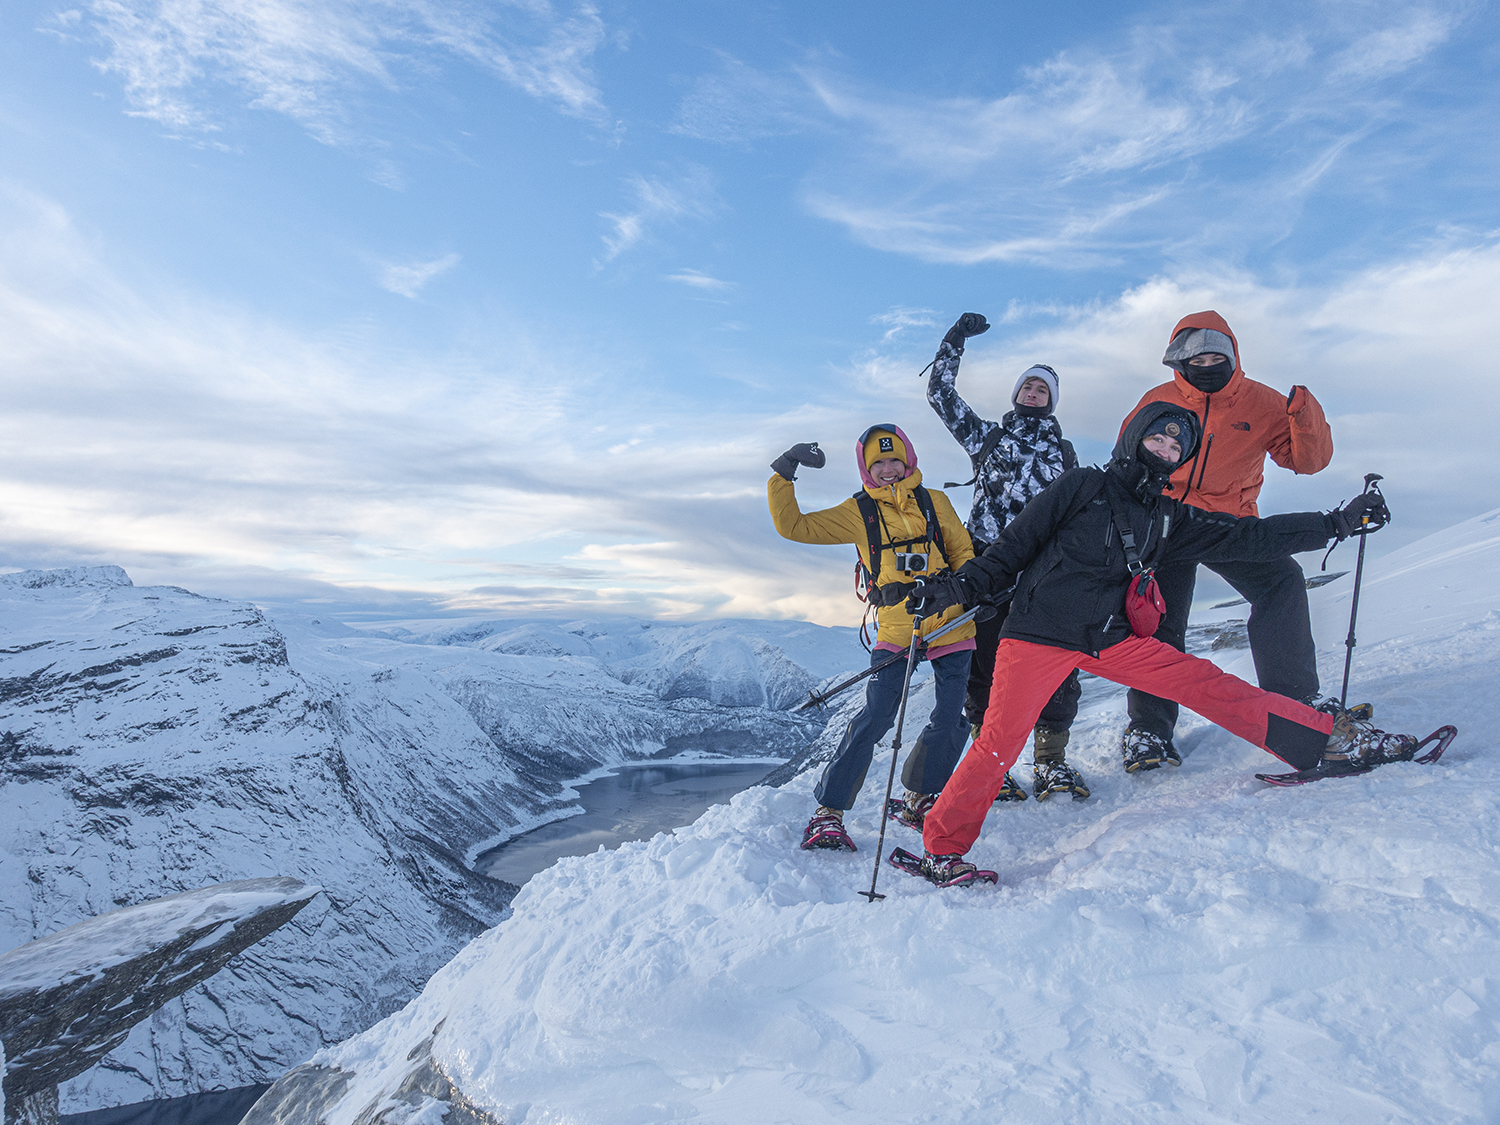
1014 460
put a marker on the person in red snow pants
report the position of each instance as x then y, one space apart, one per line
1027 674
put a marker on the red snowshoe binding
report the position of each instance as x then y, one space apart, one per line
912 811
942 870
1356 747
825 831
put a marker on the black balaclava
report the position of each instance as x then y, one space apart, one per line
1191 342
1209 378
1045 374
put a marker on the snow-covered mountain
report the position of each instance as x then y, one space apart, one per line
1188 945
154 741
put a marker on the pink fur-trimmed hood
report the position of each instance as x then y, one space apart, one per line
859 452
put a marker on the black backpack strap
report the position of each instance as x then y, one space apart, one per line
978 459
1069 454
1133 560
929 513
871 515
874 528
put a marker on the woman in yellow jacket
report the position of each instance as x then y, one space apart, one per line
918 534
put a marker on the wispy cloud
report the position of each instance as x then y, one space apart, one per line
407 280
737 104
307 59
899 319
699 280
655 200
1097 151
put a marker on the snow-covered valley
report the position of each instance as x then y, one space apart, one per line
1187 945
154 741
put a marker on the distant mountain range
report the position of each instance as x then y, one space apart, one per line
153 741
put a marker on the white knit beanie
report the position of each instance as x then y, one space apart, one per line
1046 375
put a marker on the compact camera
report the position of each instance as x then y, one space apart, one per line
911 562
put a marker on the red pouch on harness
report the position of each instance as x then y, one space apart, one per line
1143 604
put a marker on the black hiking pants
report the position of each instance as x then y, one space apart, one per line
1061 709
1280 631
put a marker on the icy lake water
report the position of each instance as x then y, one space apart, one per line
634 802
216 1107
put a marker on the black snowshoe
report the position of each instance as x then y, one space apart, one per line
942 870
1049 777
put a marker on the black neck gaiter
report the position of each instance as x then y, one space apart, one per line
1209 380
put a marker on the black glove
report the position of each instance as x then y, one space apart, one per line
1363 514
892 593
970 324
803 453
932 596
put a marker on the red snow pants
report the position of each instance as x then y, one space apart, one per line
1027 674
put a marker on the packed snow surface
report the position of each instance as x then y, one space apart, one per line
1187 945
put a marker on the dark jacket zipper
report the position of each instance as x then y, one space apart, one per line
1207 445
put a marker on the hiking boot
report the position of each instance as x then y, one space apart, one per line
1048 743
1142 750
947 870
826 831
1011 790
1331 706
1049 776
913 810
1355 745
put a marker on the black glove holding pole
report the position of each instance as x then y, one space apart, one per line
970 324
1365 513
892 593
803 453
933 595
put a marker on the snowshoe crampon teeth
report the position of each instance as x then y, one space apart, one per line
1058 777
1142 750
827 833
1011 790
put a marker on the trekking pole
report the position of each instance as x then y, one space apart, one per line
814 699
890 781
1359 569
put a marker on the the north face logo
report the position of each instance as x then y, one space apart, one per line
888 446
1240 426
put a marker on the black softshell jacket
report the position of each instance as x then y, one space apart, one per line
1071 564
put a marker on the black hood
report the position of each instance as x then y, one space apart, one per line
1144 474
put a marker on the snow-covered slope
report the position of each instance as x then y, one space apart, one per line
1188 945
153 741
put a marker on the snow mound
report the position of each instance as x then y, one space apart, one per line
1186 945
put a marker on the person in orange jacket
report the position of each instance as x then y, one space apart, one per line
1242 422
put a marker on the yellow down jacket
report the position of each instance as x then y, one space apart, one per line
902 520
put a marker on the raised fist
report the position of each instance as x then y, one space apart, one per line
970 324
803 453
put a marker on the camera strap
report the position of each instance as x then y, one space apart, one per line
878 536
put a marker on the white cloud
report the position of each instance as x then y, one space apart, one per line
899 319
1099 152
699 280
655 200
207 448
737 104
305 58
407 280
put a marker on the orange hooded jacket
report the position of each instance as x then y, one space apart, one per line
1241 424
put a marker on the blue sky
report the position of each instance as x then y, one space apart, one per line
414 307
